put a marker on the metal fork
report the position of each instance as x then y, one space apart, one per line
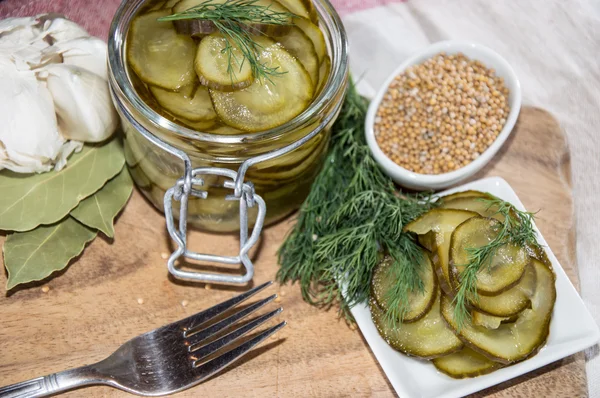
165 360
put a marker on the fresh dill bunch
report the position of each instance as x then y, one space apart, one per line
517 229
351 217
234 19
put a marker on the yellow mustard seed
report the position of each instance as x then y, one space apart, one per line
440 115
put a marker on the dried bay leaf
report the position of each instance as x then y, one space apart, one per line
34 255
31 200
99 210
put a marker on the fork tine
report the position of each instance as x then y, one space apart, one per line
229 338
208 314
193 338
215 365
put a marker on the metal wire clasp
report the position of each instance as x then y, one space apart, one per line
247 198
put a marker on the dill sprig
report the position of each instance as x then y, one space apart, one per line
234 19
352 215
517 229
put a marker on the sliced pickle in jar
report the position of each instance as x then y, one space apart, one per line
427 338
201 28
200 126
512 342
314 33
465 363
324 70
302 8
301 46
499 273
219 70
419 302
442 223
191 103
511 302
267 103
157 6
158 55
169 4
226 130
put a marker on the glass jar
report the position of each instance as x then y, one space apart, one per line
283 182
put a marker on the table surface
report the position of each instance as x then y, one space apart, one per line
92 307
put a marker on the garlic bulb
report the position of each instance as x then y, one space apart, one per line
29 130
53 91
62 29
87 52
82 103
22 41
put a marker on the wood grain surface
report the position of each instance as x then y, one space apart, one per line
93 307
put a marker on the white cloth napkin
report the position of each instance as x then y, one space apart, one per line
554 47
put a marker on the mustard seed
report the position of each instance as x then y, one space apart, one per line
442 114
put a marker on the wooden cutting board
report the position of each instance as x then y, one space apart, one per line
93 307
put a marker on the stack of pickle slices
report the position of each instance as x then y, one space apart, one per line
509 322
187 76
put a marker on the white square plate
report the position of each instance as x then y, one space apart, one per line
572 330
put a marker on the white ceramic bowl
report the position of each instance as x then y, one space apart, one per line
478 52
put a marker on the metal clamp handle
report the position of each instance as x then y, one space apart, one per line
247 198
242 191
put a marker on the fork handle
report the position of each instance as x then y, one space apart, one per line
51 384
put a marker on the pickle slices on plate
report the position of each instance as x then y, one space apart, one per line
419 302
508 320
203 79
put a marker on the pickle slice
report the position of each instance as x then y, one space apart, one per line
302 8
487 321
267 103
427 338
474 203
512 342
419 303
200 28
324 70
157 6
314 33
465 363
511 302
505 268
213 64
201 125
300 46
462 194
158 55
169 4
190 103
442 223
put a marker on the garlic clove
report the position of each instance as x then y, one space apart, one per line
82 102
86 52
28 125
62 29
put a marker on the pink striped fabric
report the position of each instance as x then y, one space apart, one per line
96 15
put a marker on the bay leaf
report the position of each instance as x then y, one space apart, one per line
34 255
99 210
34 199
